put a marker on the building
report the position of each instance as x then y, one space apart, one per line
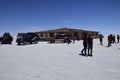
75 33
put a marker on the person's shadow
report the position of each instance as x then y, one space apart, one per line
83 55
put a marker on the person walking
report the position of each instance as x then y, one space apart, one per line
90 45
84 45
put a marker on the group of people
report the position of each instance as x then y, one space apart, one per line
112 39
87 45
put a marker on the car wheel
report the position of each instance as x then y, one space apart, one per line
18 43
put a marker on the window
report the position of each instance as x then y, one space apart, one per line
96 34
92 33
75 34
51 34
41 34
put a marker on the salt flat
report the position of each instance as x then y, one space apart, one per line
45 61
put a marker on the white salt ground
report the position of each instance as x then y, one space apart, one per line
45 61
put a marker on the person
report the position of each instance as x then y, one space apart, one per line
69 39
90 45
101 40
118 38
84 45
109 40
113 39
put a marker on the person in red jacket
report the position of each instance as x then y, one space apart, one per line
84 45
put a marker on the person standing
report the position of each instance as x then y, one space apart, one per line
113 39
100 38
90 45
109 40
118 38
84 45
69 39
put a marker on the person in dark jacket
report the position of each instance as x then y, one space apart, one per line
84 45
113 39
109 40
90 45
69 39
118 38
100 39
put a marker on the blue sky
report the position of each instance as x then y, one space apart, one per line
36 15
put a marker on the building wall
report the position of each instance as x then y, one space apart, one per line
76 34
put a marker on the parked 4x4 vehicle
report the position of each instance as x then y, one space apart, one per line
6 38
27 38
59 39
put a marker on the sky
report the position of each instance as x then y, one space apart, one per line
38 15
